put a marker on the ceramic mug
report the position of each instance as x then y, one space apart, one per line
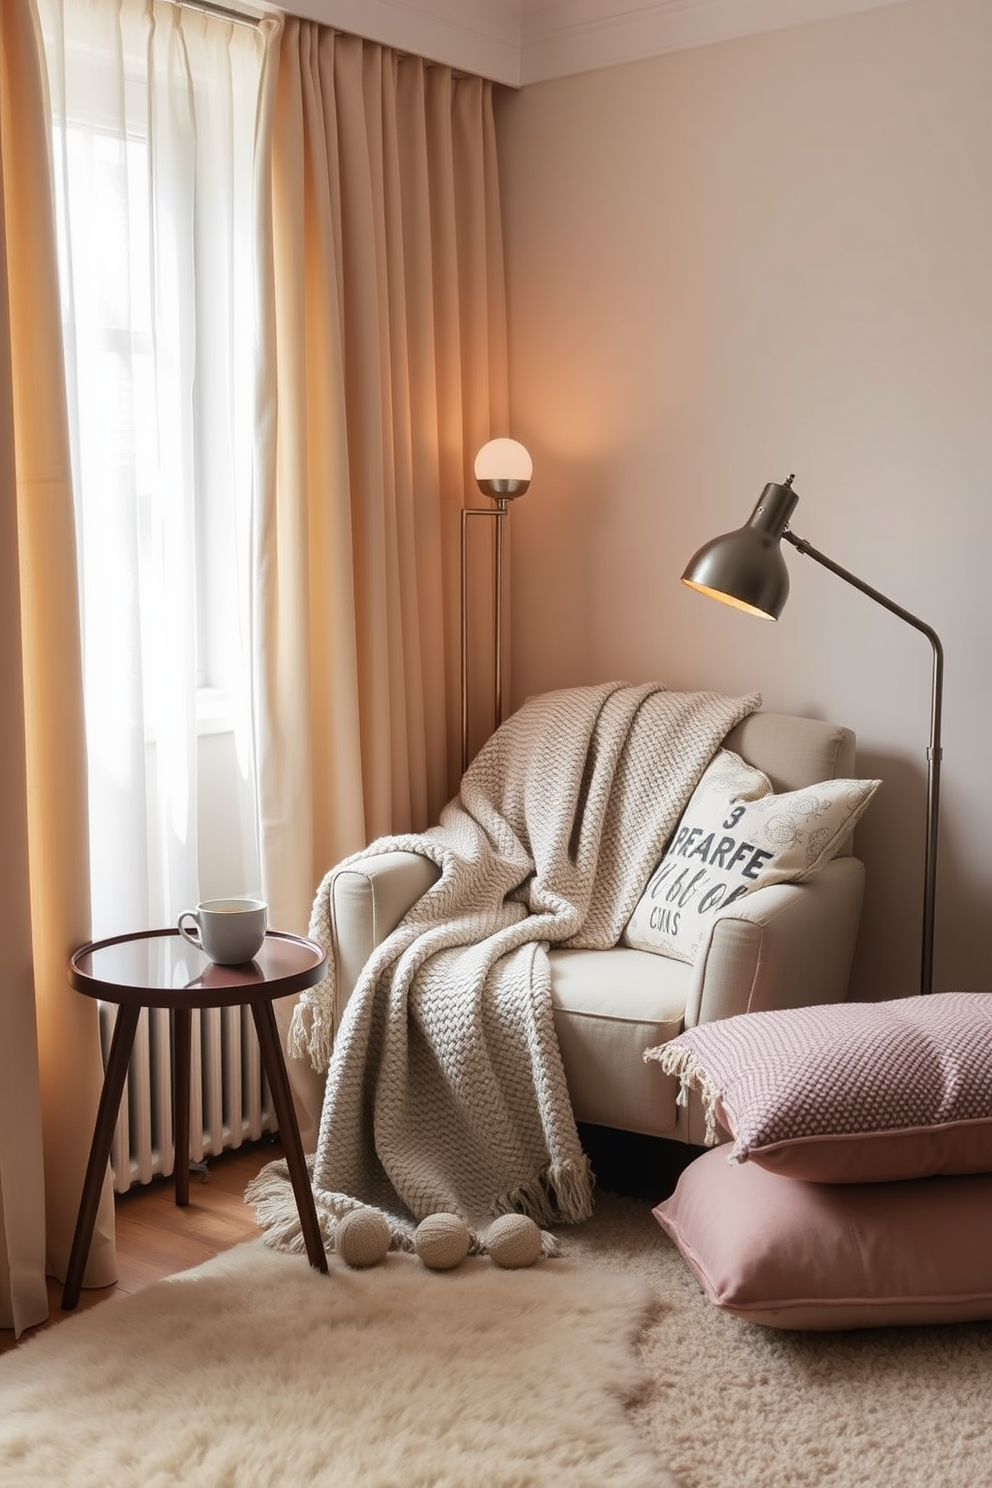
229 931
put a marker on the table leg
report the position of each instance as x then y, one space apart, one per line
181 1053
103 1136
289 1131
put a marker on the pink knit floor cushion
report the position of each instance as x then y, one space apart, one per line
848 1092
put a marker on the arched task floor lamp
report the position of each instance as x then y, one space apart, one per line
503 469
746 569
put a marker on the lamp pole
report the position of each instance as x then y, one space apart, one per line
934 751
497 514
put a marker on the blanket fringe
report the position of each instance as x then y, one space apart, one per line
572 1183
312 1027
311 1030
563 1195
560 1195
270 1193
681 1062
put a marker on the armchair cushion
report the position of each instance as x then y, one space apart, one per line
854 1092
609 1006
735 836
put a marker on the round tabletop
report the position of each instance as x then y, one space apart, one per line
158 968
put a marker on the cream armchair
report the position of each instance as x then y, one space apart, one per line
788 945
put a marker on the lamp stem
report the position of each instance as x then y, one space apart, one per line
464 653
498 514
933 751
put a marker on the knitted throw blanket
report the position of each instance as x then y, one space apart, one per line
445 1089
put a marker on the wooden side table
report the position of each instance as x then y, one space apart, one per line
159 969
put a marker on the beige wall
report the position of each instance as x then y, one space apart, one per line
728 264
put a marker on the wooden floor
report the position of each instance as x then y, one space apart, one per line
155 1239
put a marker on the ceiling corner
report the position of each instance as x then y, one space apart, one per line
528 41
563 37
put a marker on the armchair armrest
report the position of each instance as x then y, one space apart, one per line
784 946
368 900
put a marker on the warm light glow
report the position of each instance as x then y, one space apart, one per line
503 460
728 599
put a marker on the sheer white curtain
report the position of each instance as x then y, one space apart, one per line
155 109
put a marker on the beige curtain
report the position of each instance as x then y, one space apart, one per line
50 1067
385 344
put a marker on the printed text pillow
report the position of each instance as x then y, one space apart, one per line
849 1092
736 835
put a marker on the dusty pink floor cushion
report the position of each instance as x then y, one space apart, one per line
848 1092
790 1254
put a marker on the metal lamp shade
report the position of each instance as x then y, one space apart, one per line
743 569
746 568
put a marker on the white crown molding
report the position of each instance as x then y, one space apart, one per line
529 41
563 37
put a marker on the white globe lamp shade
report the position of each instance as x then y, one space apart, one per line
503 469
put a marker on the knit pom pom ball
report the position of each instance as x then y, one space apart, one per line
362 1237
513 1240
442 1241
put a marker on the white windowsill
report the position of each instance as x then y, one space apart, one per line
213 711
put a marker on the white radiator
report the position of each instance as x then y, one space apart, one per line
229 1095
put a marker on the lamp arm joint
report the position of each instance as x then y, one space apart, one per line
802 546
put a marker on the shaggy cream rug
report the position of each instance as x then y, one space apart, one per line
253 1369
734 1405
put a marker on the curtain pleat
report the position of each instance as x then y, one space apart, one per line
384 369
50 1069
387 370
